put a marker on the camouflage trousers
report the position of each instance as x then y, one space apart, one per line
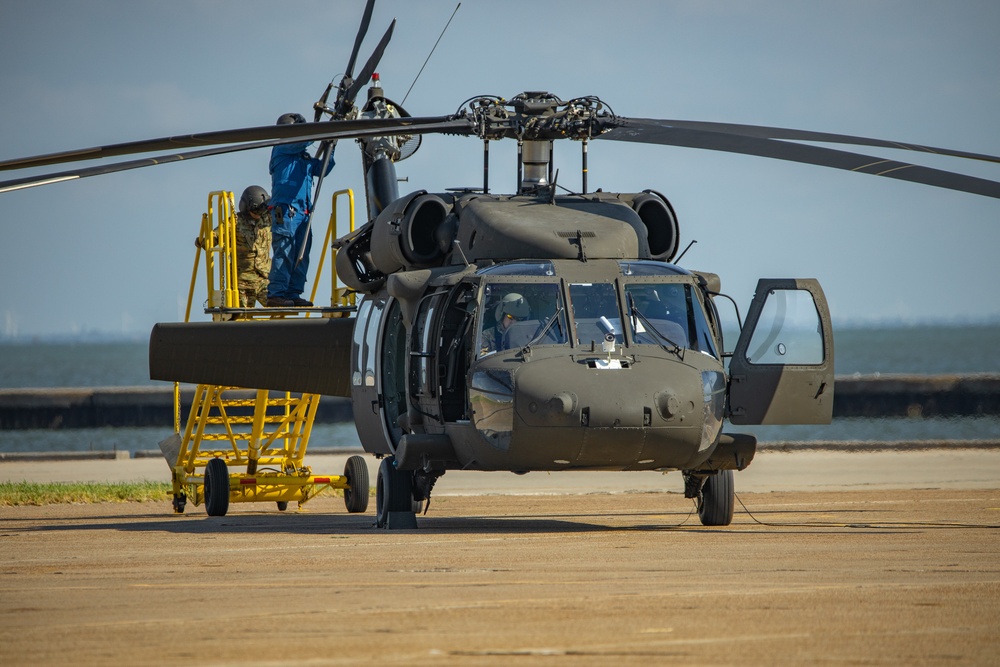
252 290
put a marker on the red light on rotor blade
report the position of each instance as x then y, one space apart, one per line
375 79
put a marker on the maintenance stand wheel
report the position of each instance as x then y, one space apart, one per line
216 487
717 499
356 495
282 505
393 491
180 502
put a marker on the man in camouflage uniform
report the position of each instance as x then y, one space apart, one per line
253 247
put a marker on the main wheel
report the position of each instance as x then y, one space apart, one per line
393 491
356 495
216 487
717 499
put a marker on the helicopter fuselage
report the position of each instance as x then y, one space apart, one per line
611 358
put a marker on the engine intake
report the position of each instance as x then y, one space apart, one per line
662 230
407 235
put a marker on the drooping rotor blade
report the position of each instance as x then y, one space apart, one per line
308 355
282 133
765 132
345 103
445 126
366 19
647 130
320 106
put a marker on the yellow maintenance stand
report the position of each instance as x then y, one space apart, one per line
249 445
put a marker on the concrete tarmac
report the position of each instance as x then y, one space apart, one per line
770 471
836 558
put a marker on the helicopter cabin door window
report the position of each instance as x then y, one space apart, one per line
422 377
366 399
361 324
782 369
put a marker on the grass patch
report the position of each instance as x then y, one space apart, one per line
33 493
13 494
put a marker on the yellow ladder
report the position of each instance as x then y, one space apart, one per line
261 435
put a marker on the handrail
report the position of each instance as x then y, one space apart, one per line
336 294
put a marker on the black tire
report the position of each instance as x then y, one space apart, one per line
356 495
718 497
393 491
282 505
216 487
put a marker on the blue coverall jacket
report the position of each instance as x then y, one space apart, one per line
292 172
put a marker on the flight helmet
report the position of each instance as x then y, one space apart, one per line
290 118
254 199
515 306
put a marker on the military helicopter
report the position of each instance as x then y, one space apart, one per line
539 330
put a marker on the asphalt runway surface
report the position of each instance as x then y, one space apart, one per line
870 559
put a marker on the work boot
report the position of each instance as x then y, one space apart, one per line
279 302
302 303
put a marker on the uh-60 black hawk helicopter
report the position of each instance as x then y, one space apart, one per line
531 331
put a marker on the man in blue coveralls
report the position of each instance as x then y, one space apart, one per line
292 172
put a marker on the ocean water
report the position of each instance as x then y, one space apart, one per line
928 350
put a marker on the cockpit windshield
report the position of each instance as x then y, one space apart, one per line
667 314
516 314
596 312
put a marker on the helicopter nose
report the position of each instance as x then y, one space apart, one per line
614 399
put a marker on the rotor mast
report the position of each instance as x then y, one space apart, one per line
536 120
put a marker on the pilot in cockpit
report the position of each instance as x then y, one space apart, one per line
512 308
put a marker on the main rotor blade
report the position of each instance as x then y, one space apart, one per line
765 132
648 130
312 356
445 126
365 75
282 133
362 31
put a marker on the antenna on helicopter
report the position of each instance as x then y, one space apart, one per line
433 48
688 247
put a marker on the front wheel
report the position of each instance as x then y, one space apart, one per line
718 495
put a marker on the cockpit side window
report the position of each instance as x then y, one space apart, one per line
515 314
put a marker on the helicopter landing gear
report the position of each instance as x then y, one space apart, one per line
716 499
394 496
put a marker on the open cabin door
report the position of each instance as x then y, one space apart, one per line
782 369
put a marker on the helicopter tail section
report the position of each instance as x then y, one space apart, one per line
309 356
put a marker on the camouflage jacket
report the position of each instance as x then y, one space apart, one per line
253 246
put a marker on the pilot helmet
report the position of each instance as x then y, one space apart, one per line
290 119
513 305
254 199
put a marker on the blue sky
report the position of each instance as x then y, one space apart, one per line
114 253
